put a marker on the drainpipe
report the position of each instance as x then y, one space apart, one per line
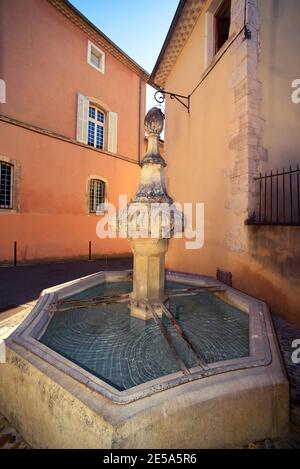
139 122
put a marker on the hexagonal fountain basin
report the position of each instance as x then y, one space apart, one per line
98 377
125 352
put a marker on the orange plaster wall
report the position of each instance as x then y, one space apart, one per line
53 220
43 61
44 65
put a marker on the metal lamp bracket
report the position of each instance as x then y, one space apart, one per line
160 97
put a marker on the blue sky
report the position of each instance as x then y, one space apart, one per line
139 27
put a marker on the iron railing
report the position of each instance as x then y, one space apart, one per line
279 198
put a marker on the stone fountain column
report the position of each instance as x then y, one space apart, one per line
148 241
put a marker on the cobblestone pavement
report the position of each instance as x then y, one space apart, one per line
286 334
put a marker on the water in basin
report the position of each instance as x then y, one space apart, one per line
109 343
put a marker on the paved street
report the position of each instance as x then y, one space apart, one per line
23 284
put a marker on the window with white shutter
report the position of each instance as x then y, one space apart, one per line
95 126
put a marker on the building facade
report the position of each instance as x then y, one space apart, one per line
71 131
237 149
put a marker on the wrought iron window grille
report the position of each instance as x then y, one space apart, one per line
278 198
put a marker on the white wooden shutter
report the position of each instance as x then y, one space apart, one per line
82 118
112 144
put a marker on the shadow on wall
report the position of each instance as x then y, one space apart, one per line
276 252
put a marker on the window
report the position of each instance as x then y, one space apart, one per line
96 125
6 183
222 24
217 28
96 195
96 58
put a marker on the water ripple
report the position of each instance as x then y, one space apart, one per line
125 352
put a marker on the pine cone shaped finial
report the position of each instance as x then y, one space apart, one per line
154 121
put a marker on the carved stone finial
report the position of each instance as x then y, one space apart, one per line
154 121
154 124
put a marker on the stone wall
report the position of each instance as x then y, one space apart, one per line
247 126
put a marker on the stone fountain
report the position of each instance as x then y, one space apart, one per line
83 371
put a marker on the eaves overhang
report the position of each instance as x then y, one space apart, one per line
182 25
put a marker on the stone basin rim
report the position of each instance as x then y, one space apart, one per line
28 333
